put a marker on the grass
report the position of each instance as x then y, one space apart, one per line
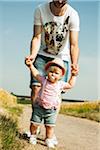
15 110
89 110
8 134
10 110
23 101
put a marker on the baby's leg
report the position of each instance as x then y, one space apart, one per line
51 140
33 137
36 120
49 121
49 131
33 128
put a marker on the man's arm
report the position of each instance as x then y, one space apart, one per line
74 51
35 43
34 71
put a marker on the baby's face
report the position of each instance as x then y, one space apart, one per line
54 74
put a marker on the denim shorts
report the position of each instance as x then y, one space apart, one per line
42 115
40 62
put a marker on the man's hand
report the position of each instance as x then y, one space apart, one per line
74 69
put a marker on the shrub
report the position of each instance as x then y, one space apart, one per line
89 110
8 134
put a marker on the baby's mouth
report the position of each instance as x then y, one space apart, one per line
52 77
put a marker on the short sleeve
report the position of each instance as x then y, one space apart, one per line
62 85
37 17
74 22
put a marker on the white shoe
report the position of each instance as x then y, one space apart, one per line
54 140
49 143
28 134
33 140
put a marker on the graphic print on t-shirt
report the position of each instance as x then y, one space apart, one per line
55 34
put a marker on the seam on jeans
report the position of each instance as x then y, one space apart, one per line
36 122
50 125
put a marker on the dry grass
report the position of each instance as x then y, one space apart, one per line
9 134
9 111
6 99
89 110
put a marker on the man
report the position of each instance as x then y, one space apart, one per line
56 30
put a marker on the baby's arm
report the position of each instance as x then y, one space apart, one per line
70 83
33 70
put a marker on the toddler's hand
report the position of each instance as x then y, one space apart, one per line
74 69
30 57
28 62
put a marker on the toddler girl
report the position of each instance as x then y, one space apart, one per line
48 100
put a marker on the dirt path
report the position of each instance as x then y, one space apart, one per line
72 133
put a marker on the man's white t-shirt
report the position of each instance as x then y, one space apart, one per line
55 35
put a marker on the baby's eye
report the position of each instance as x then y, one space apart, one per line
57 73
51 71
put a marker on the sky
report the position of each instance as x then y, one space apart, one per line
16 29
